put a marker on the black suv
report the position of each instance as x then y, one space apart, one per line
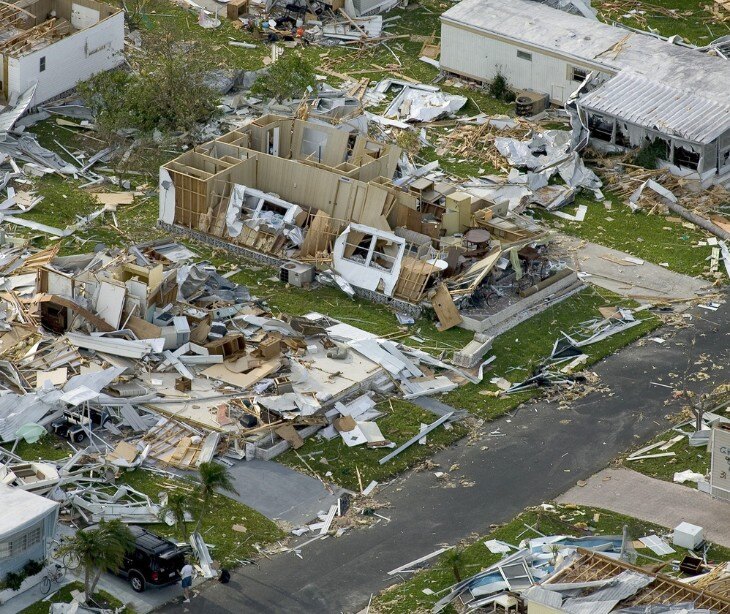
154 562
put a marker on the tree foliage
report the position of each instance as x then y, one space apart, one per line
168 92
287 78
99 549
178 507
212 476
134 12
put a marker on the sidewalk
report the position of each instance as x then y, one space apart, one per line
142 602
664 503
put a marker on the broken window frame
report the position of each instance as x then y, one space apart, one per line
684 156
598 127
375 253
578 73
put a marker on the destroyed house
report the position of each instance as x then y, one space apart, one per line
53 45
280 189
594 582
649 89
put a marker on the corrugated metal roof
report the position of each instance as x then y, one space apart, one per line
667 109
537 594
603 601
615 48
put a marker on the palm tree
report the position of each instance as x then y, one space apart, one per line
454 558
178 509
99 549
212 476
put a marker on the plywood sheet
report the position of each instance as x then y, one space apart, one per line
446 311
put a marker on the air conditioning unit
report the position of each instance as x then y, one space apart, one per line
297 274
530 102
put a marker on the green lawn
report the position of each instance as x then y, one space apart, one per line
650 237
562 520
229 546
401 422
518 351
49 447
64 596
523 348
691 19
686 457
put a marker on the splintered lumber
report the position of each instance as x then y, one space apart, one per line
648 456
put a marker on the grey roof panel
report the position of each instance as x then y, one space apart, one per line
653 105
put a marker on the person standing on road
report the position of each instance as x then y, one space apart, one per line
186 573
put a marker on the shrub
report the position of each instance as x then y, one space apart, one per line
287 78
649 155
499 87
32 568
14 580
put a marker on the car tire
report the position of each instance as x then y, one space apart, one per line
79 437
136 581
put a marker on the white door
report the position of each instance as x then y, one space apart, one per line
557 93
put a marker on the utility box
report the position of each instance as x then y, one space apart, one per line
530 102
688 536
297 274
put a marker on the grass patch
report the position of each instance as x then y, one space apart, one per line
64 203
49 447
400 57
229 546
686 457
373 317
650 237
520 350
564 520
64 596
691 19
401 422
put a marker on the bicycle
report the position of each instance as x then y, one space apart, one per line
55 574
69 559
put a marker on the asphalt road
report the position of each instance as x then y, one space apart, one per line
544 452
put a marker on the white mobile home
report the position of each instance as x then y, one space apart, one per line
650 89
56 44
27 523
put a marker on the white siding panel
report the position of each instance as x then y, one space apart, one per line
69 61
476 55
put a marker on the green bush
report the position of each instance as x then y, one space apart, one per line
287 78
32 568
499 87
649 155
14 580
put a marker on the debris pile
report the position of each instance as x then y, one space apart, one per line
146 356
595 572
